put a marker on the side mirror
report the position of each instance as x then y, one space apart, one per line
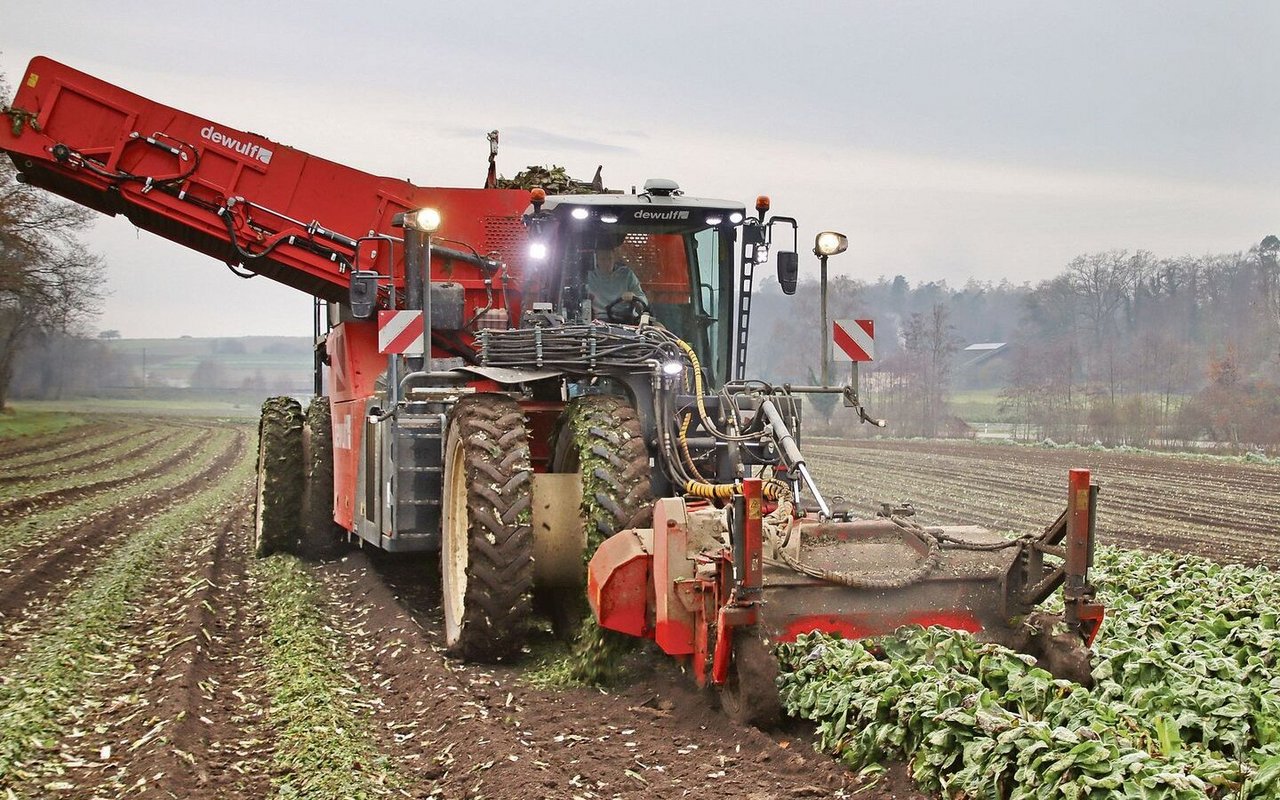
364 294
788 271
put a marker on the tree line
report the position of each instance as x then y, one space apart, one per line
1119 347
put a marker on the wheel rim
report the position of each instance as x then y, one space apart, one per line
453 547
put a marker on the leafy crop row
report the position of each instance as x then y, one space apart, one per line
1186 702
324 747
42 679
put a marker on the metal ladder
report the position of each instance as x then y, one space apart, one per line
419 476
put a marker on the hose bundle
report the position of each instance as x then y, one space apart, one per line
578 349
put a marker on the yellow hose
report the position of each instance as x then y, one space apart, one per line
771 489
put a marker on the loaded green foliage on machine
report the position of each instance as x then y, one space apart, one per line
600 437
278 503
1186 702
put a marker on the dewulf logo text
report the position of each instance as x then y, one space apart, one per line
662 215
243 148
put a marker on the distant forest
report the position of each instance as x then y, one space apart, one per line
1120 347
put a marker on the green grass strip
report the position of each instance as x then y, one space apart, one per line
21 421
48 677
324 748
88 437
43 525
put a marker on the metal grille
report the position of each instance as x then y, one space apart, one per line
504 237
641 253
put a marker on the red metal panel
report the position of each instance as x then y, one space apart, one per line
618 582
348 437
1077 522
753 557
674 624
105 129
354 361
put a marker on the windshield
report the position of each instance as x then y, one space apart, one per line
685 279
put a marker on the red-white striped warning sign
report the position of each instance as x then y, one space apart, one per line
400 332
855 340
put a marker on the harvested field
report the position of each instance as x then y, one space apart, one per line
1219 508
145 653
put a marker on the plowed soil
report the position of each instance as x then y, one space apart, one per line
1219 508
174 701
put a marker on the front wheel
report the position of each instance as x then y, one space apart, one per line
600 437
486 559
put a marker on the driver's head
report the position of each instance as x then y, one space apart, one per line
606 257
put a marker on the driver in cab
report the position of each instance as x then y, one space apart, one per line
612 284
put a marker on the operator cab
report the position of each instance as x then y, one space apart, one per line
681 250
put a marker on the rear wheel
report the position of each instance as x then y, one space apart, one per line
321 536
278 499
600 437
750 694
486 558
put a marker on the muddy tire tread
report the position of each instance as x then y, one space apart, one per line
278 499
498 474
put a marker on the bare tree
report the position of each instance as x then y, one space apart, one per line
49 282
930 343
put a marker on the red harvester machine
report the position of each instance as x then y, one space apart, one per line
483 401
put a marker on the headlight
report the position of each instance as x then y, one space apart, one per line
537 251
829 243
579 213
735 217
425 219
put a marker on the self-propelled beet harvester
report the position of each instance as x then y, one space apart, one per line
486 402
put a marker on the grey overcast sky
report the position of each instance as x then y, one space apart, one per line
950 140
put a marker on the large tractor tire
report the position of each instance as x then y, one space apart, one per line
278 499
599 436
321 536
486 558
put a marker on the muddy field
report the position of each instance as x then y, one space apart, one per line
1220 508
144 652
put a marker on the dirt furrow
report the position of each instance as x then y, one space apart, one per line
1224 522
18 447
181 714
54 682
65 496
102 455
37 580
1144 505
76 448
1172 470
469 731
969 499
1159 493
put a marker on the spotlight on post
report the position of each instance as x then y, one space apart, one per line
830 243
426 220
825 245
